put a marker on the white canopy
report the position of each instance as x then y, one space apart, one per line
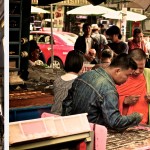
132 16
90 10
38 10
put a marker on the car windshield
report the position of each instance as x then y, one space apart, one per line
37 23
70 36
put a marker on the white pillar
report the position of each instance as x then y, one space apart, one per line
124 23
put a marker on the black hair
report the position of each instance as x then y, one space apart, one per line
74 61
137 54
123 61
85 25
136 31
107 53
114 30
33 46
100 25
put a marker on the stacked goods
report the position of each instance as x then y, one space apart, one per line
132 139
15 79
29 98
39 73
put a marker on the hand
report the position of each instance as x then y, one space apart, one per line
92 52
147 97
141 115
131 100
88 57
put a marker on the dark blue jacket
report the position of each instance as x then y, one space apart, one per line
94 92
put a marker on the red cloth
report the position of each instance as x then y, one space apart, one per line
132 45
134 86
100 138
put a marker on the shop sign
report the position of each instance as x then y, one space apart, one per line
74 2
58 16
81 17
34 1
137 10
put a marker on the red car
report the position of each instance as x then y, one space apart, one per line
63 43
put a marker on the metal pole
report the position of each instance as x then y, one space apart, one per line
52 50
124 23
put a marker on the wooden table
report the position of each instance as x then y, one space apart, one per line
88 137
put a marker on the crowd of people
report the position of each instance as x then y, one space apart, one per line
116 91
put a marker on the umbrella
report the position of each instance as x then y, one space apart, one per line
90 10
38 10
132 16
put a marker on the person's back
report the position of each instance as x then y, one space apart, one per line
106 57
102 28
73 66
94 92
133 93
101 40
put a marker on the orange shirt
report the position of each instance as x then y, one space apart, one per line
134 86
132 45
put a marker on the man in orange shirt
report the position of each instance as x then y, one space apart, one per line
137 41
134 94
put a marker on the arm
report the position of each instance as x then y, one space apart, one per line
125 48
144 46
76 45
129 45
112 115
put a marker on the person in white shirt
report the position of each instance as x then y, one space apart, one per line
85 43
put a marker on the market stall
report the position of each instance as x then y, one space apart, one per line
136 138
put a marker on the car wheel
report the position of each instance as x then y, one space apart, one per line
56 64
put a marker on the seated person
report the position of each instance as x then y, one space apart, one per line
134 94
137 41
35 53
73 66
94 92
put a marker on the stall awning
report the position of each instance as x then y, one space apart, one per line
35 10
90 10
132 16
